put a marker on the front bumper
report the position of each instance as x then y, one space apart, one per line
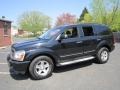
18 67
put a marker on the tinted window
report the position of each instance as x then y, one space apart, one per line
70 33
88 31
102 30
105 31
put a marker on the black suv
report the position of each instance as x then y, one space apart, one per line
61 46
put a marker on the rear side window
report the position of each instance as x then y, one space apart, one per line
88 31
102 30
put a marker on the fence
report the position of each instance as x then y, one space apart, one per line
117 37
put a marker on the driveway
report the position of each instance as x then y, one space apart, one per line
81 76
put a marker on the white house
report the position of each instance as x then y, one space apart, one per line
14 30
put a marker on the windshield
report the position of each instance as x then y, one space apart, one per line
49 34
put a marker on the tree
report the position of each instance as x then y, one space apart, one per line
87 18
66 18
115 26
115 9
34 21
106 12
99 11
85 11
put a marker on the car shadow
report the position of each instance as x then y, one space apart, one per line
17 76
61 69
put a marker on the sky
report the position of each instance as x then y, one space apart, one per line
12 9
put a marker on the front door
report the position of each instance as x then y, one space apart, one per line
70 46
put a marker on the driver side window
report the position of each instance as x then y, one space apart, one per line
70 33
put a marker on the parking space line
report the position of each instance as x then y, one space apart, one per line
5 52
6 73
3 63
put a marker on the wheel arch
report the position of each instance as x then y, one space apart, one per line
44 54
54 59
103 44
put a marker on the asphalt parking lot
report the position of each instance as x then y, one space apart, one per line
81 76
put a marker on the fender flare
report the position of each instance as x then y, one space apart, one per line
103 44
37 52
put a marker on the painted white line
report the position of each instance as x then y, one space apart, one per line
4 52
7 73
3 47
3 63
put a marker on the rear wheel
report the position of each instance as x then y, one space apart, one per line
102 55
41 67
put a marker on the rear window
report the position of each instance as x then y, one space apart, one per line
102 30
88 31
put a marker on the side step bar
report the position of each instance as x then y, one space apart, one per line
76 61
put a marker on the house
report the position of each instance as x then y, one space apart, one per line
5 33
24 33
20 32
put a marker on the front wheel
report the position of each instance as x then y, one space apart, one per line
102 55
41 67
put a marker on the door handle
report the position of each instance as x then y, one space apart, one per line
79 42
98 39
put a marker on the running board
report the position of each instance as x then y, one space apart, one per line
76 61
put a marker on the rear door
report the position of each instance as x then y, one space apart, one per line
89 39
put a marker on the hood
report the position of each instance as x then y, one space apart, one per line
28 44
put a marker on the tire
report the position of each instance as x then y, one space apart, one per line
102 55
41 67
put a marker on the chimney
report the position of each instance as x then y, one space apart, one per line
3 17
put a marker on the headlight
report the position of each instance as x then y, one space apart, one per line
19 55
